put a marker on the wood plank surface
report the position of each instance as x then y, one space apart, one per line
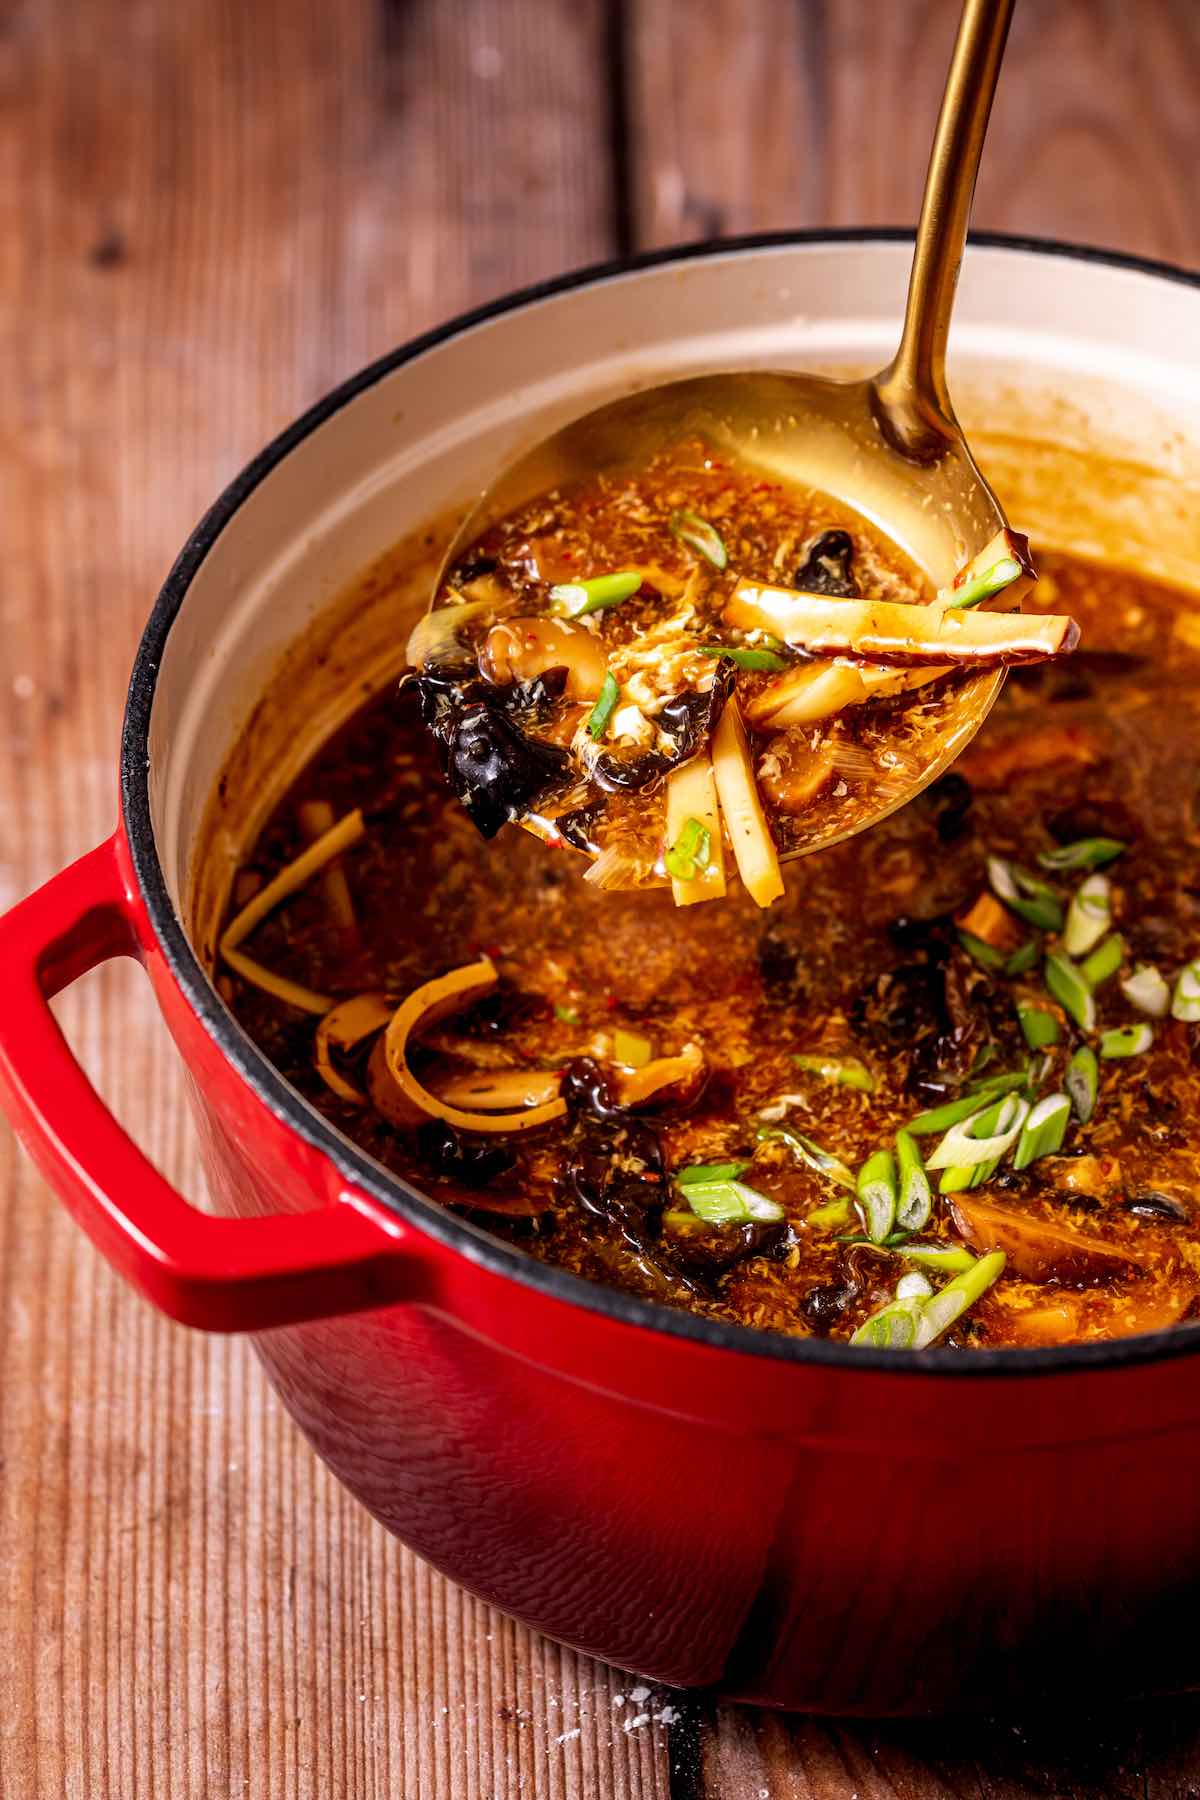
208 213
772 114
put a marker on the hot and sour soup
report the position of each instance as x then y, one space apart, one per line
943 1090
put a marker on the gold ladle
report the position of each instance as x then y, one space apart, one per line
889 446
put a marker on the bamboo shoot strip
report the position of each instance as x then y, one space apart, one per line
292 877
821 689
891 632
737 789
692 798
289 880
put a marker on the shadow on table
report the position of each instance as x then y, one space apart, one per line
1145 1750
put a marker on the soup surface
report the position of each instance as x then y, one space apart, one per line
1005 968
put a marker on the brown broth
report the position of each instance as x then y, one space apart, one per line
859 959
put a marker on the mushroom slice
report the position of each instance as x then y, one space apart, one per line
520 649
435 1000
792 773
1037 1249
895 633
344 1027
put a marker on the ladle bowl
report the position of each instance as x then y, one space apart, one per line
806 431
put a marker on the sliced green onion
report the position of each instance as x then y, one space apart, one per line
1043 1131
979 951
1025 894
700 536
914 1201
836 1213
1185 1001
1023 958
876 1194
952 1259
565 1015
1104 961
747 657
1038 1027
938 1314
1036 1071
976 1175
1088 915
605 707
982 587
912 1323
1070 990
843 1071
1084 853
718 1171
1147 990
940 1118
893 1327
691 852
914 1286
1082 1082
729 1202
575 599
809 1152
1126 1040
632 1049
988 1134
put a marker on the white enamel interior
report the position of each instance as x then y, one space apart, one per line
1044 345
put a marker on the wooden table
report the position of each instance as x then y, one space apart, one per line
210 213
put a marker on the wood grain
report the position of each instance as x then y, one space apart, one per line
756 115
208 213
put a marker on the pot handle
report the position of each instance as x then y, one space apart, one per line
218 1273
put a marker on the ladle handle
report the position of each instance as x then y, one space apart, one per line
912 391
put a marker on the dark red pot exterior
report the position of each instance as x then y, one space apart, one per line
837 1533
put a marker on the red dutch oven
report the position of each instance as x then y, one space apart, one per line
793 1523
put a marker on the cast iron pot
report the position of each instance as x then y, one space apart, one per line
791 1522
